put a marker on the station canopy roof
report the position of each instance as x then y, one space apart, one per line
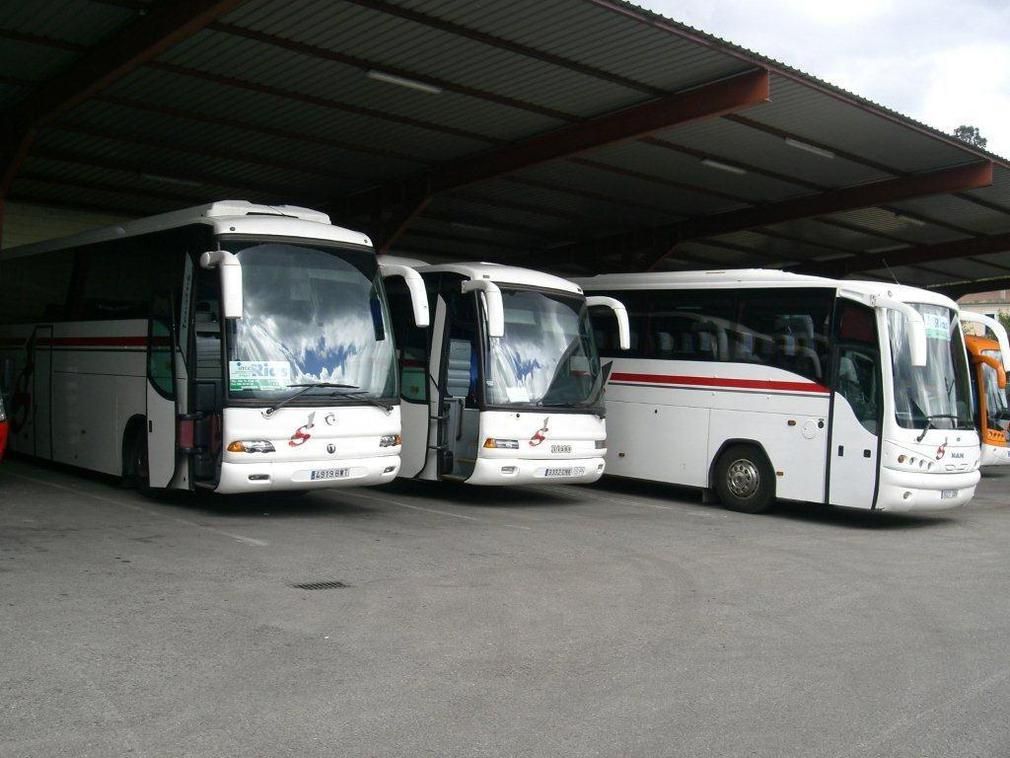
571 135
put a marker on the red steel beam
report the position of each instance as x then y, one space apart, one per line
910 256
165 25
958 289
970 176
706 101
714 99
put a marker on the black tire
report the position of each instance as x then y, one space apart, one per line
744 480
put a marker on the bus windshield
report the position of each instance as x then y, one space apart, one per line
936 395
548 355
311 314
997 413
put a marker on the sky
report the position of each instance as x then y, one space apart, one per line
943 63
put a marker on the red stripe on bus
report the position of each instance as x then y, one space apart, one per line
712 381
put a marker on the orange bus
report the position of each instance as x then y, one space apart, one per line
989 358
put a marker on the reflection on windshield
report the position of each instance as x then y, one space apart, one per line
310 315
939 391
547 356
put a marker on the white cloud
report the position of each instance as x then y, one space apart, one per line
939 62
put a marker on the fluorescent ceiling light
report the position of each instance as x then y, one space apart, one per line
723 166
885 248
809 148
381 76
469 226
171 180
909 219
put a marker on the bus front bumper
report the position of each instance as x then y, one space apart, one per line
492 471
260 476
995 455
909 491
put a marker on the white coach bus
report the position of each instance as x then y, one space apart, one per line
232 346
506 386
763 385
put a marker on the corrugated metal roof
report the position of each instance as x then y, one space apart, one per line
273 102
78 21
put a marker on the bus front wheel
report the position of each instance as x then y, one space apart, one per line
744 480
137 467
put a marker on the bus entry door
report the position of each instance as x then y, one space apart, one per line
161 413
855 428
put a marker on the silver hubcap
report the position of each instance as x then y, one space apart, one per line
743 478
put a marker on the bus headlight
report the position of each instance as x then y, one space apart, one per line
601 444
251 446
494 443
390 440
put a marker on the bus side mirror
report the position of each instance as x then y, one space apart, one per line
996 366
231 280
493 302
996 328
916 326
620 312
415 286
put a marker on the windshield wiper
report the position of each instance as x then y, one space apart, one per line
363 394
305 388
929 423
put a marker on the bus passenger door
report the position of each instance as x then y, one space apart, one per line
413 359
856 407
161 394
40 414
453 398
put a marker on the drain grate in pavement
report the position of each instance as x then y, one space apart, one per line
320 586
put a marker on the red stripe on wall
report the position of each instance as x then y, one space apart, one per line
718 382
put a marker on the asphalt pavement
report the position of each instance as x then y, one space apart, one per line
618 619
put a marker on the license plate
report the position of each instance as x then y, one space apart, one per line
947 494
561 449
328 473
558 473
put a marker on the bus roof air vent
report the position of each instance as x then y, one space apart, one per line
245 208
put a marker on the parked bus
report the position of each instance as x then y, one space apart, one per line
233 347
990 360
505 387
763 384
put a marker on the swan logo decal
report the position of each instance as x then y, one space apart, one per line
540 434
942 450
301 435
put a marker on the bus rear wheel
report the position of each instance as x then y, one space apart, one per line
744 480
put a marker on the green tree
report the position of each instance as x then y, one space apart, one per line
1004 318
971 135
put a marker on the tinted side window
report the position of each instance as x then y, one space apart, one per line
689 325
131 278
604 324
36 287
786 328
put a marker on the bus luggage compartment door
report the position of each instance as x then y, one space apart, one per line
161 413
40 411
